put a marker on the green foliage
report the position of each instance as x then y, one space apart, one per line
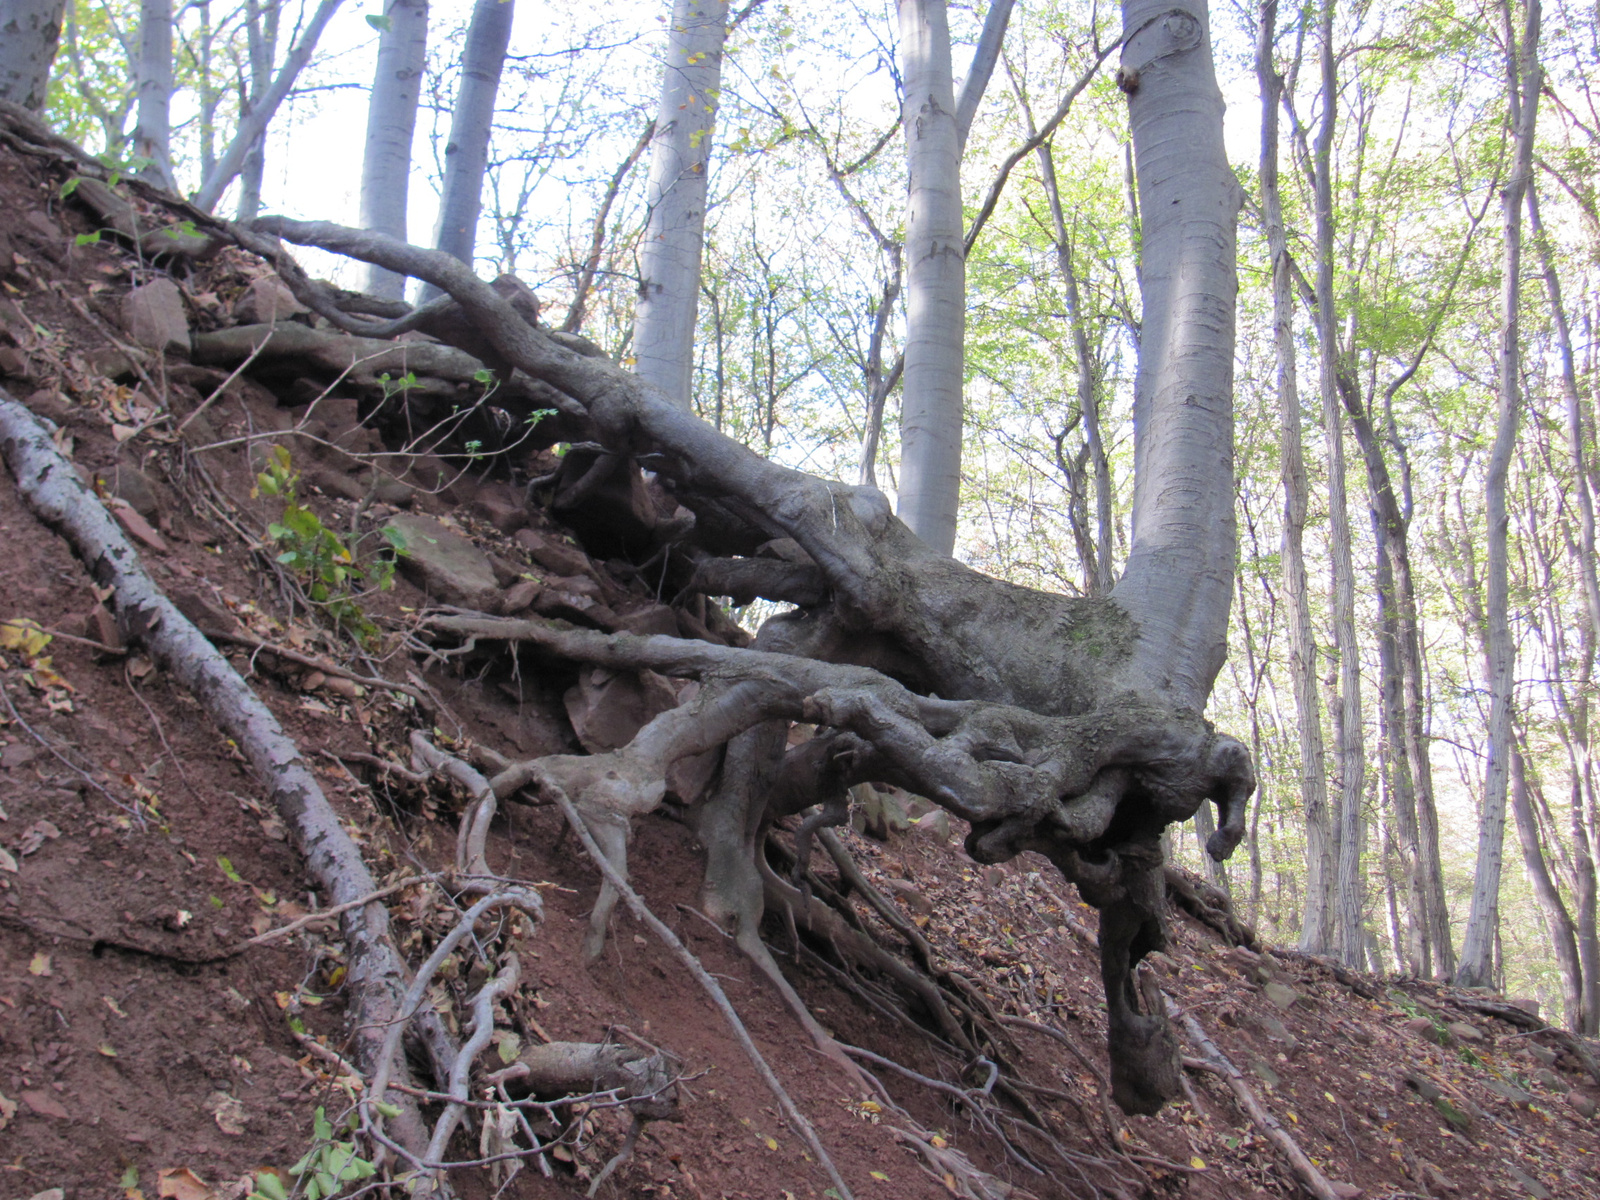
328 568
324 1171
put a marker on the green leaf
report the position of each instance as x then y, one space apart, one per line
62 193
382 24
227 869
320 1128
484 376
86 239
270 1186
386 1109
130 1177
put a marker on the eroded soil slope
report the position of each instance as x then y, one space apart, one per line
148 1048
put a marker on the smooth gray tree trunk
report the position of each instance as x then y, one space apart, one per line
261 41
1349 941
391 124
936 280
152 137
669 258
247 139
984 56
30 31
1178 582
1523 75
1316 922
466 155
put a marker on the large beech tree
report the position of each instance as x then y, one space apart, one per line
1069 726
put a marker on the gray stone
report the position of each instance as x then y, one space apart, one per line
551 554
1424 1028
127 482
651 619
1544 1054
1264 1072
1282 995
935 824
1529 1184
1345 1191
446 565
154 316
267 300
1423 1086
1549 1080
1582 1105
1508 1092
1464 1031
519 596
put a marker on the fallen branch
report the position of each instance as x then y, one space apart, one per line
377 975
1304 1169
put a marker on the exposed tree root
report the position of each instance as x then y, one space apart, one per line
1313 1180
796 1119
377 975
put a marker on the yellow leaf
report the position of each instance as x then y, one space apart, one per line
772 1143
40 964
871 1106
1198 1163
879 1175
1292 1117
106 1049
937 1142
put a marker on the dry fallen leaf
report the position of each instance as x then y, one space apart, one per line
114 1007
181 1183
40 964
228 1113
8 1109
7 863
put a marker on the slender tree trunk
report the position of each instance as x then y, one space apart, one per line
669 259
1483 924
1316 930
247 138
1178 582
984 56
466 155
30 31
936 281
1350 834
391 124
1557 922
152 139
261 39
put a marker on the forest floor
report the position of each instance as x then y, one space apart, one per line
146 1051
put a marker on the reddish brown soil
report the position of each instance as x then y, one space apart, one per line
133 1047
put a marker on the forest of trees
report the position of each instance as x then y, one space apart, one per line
1416 611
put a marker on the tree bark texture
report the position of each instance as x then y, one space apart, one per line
680 163
391 124
1523 76
1065 738
152 137
466 155
1178 582
30 31
936 281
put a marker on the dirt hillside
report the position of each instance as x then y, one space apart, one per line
149 1049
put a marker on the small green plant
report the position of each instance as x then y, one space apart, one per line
325 565
323 1172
